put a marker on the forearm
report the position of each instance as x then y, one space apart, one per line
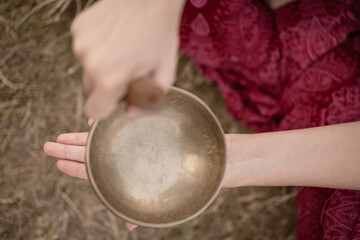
323 157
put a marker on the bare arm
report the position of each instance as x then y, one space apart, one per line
323 157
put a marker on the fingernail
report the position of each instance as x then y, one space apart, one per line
130 112
59 137
45 147
130 226
91 122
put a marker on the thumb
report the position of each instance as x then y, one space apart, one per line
105 96
164 75
100 104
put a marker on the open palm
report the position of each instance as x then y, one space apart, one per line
69 148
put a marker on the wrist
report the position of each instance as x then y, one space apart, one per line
252 160
241 157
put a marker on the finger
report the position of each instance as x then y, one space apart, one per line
130 226
164 75
100 104
78 139
73 169
87 82
91 122
106 94
69 152
132 111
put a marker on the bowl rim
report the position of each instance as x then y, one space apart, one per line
156 225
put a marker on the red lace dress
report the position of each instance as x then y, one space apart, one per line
295 67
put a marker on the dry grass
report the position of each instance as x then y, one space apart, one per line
41 96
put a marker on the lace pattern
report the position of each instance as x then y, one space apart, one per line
295 67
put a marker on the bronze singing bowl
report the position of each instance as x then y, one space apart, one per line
158 170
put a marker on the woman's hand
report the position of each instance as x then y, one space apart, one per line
117 41
69 148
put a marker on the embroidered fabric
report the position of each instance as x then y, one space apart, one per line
295 67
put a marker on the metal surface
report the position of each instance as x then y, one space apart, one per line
158 170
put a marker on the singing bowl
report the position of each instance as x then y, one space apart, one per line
158 170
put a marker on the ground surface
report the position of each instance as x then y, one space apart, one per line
41 96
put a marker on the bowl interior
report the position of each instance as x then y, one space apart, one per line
158 169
